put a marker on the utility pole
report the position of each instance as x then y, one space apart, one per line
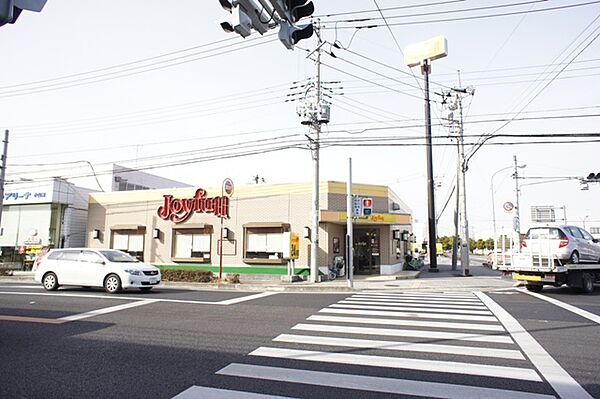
3 174
455 104
517 221
313 112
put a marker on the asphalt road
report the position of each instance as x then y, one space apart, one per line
231 344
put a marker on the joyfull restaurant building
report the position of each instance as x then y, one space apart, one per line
183 227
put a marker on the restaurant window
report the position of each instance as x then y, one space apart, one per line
131 242
192 245
264 243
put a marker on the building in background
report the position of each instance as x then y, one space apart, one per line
182 226
54 214
41 215
127 179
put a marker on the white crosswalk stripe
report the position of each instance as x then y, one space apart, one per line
438 334
411 323
379 301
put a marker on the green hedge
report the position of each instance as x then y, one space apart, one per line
196 276
193 276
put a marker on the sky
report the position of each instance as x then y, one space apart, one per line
165 89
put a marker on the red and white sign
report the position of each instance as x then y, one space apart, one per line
179 210
508 206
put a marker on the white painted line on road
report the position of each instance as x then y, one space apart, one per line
434 295
126 298
246 298
583 313
409 314
393 386
102 311
413 323
439 366
403 303
416 300
138 298
22 286
401 346
565 385
196 392
424 334
412 309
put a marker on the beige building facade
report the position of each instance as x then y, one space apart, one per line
182 226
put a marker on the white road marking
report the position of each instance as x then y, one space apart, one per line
416 300
424 334
402 303
196 392
436 295
419 298
583 313
138 298
413 323
561 381
246 298
102 311
412 309
374 384
22 286
400 363
400 346
409 314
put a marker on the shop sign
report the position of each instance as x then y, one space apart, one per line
25 196
179 210
291 245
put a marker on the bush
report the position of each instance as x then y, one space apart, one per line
233 278
6 272
192 276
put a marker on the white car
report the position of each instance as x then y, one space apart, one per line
95 267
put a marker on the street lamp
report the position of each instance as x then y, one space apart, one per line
422 54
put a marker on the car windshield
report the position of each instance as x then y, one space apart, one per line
118 256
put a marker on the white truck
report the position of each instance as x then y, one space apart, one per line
555 256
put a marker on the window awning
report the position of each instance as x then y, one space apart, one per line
192 226
128 227
254 225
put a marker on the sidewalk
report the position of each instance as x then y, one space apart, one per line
482 278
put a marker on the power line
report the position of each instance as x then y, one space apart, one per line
476 17
130 71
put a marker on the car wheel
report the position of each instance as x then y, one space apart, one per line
574 259
587 283
145 289
50 282
534 287
112 284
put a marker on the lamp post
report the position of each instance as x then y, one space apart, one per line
422 54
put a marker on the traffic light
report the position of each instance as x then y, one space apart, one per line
263 15
245 16
367 206
291 11
11 9
593 177
294 10
291 34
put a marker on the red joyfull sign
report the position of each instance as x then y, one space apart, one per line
367 202
179 210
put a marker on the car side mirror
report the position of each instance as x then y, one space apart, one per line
595 240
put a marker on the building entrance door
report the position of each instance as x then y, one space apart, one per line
366 251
